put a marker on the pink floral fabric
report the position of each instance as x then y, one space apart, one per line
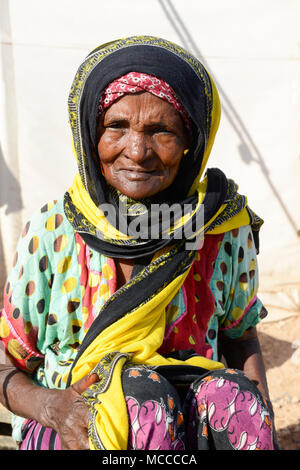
223 410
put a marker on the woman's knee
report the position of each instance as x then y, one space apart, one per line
229 403
215 381
154 410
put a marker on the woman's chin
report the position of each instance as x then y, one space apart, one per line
140 188
138 193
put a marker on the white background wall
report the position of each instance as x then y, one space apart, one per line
251 47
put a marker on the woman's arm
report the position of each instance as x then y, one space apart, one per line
62 410
244 353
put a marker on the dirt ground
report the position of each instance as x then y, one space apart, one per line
279 335
280 342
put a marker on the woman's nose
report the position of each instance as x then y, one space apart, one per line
136 146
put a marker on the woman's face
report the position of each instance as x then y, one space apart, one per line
141 144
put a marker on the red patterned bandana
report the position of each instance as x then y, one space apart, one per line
135 82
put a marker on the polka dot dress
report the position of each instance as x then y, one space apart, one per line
57 286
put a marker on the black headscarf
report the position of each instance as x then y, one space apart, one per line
193 87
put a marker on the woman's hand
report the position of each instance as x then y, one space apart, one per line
62 410
68 414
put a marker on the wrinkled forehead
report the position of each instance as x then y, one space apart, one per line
143 110
184 73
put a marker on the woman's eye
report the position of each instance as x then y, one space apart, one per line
162 130
114 125
118 124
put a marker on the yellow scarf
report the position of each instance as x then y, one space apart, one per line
136 337
138 334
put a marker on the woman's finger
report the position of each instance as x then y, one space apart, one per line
85 383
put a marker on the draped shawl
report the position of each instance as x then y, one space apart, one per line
130 327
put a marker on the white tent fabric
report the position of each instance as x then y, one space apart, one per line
252 49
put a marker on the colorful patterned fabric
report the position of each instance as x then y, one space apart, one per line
225 410
37 437
160 420
62 314
58 284
131 325
135 82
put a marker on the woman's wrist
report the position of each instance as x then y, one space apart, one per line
47 402
20 395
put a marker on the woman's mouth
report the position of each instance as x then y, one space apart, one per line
134 174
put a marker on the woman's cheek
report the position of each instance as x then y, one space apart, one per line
109 147
170 150
171 159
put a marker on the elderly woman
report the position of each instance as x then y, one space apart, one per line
113 335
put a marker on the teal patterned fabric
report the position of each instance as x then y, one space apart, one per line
45 295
